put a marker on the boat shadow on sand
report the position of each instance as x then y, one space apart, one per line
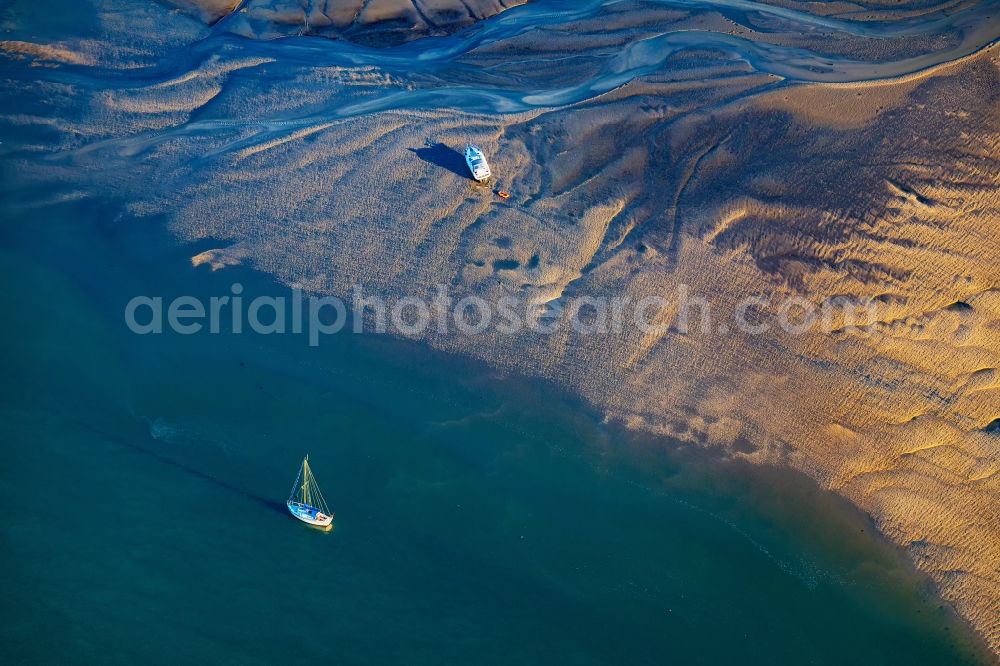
444 156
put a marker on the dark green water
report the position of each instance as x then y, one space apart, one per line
479 519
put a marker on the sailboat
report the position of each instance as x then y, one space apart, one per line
306 501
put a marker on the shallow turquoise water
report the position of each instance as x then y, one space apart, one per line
480 519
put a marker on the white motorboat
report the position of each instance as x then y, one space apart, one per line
476 160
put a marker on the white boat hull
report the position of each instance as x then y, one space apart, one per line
476 161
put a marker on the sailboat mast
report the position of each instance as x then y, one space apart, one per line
305 482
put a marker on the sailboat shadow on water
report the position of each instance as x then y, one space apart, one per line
269 503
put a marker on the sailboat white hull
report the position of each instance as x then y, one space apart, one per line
309 514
